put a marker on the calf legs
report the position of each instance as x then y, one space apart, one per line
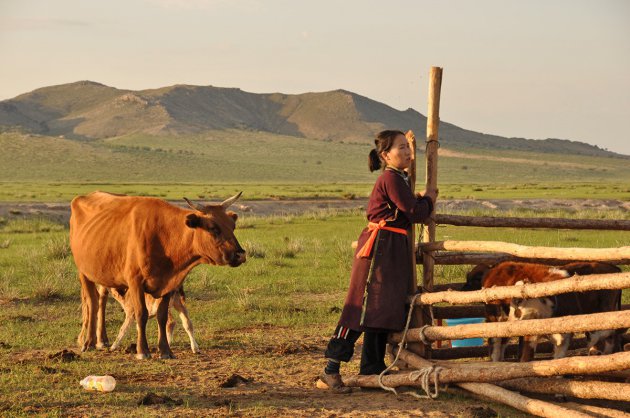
498 346
178 304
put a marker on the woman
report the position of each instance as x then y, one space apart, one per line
382 270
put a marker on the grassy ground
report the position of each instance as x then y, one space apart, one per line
11 191
267 320
255 157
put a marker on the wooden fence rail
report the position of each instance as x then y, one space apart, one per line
534 290
513 222
575 254
560 325
495 372
461 257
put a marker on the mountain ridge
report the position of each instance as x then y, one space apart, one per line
88 110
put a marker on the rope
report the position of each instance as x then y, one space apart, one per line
426 145
423 374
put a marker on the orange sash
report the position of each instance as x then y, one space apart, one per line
374 228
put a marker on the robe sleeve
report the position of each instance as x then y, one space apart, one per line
416 209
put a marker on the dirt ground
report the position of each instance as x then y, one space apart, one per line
268 380
60 212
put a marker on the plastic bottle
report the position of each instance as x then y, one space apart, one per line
99 383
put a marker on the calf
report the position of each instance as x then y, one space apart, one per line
177 301
574 303
508 274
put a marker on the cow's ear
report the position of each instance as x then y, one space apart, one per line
232 215
193 221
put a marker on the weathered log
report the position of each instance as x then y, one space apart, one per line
597 411
421 316
461 375
474 258
585 389
576 254
534 290
495 392
483 351
431 157
494 372
523 403
514 222
565 324
411 231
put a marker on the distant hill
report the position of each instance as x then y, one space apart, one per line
88 110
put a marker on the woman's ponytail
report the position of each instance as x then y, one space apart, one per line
383 143
374 161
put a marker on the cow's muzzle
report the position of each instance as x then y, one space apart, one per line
238 258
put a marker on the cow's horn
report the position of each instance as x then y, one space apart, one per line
227 202
195 206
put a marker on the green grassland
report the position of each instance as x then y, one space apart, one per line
294 281
216 164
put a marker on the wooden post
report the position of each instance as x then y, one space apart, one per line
431 155
423 316
411 233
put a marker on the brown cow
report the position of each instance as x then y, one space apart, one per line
144 245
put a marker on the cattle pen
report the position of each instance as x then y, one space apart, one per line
424 364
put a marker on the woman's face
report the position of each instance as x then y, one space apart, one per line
399 155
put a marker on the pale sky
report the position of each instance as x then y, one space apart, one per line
534 69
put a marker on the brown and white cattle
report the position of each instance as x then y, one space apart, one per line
508 274
141 245
573 303
512 273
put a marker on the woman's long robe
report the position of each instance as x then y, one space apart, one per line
379 284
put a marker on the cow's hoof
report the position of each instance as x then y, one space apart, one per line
167 356
141 356
102 346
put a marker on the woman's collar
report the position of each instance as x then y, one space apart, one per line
401 172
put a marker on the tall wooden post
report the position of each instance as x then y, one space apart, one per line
411 236
431 155
422 316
